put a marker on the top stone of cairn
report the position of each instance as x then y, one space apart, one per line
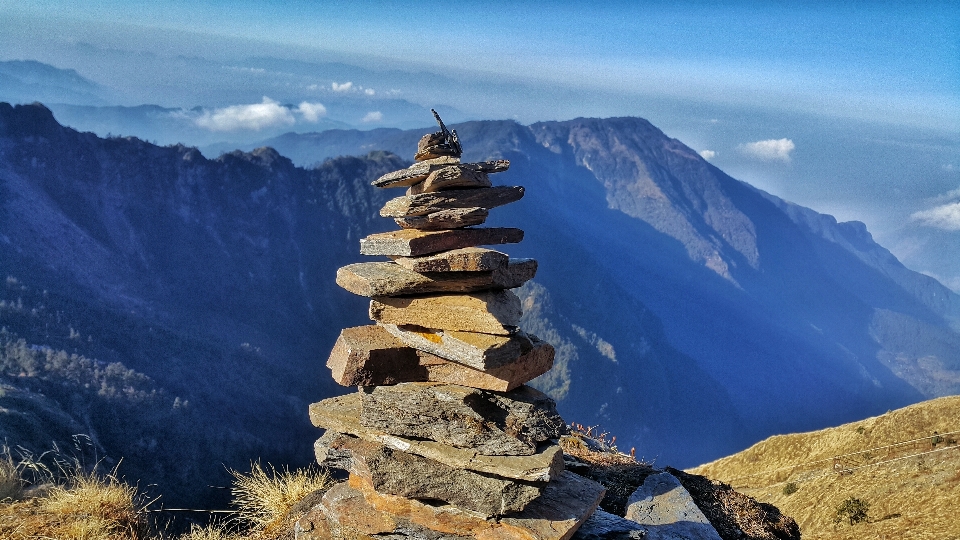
439 144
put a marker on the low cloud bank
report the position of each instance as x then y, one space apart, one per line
769 150
258 116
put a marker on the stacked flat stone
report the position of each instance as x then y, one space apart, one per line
443 438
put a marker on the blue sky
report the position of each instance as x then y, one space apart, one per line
852 109
900 59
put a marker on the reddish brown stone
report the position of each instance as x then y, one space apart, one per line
564 505
371 356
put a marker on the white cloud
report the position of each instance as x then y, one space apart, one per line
707 154
946 217
312 111
254 117
345 87
769 150
373 116
369 91
951 195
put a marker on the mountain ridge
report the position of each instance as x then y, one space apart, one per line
215 279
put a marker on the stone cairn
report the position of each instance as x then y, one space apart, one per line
443 439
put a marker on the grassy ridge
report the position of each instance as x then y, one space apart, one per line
913 489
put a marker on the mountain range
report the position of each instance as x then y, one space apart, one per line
179 309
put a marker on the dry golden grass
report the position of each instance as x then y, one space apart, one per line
216 531
265 497
10 481
911 498
88 507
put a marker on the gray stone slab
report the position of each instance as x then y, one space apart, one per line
413 174
491 423
409 475
452 176
413 242
668 511
426 203
453 218
342 415
606 526
391 279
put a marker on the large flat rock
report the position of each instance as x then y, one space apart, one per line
667 510
470 259
426 203
342 415
413 242
479 351
371 356
344 514
492 423
562 507
391 279
454 218
414 173
420 171
450 177
489 312
411 476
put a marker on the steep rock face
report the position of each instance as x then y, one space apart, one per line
658 180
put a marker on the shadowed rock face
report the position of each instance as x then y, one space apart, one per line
213 278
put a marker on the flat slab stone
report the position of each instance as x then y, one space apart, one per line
390 279
454 218
342 415
409 475
413 242
470 259
667 510
371 356
479 351
452 176
492 423
415 173
562 507
490 312
426 203
606 526
343 514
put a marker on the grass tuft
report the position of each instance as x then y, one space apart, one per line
215 531
265 497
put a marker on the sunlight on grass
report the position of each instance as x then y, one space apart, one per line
266 495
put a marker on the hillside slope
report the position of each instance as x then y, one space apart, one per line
895 462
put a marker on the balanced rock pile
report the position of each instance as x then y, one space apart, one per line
443 439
